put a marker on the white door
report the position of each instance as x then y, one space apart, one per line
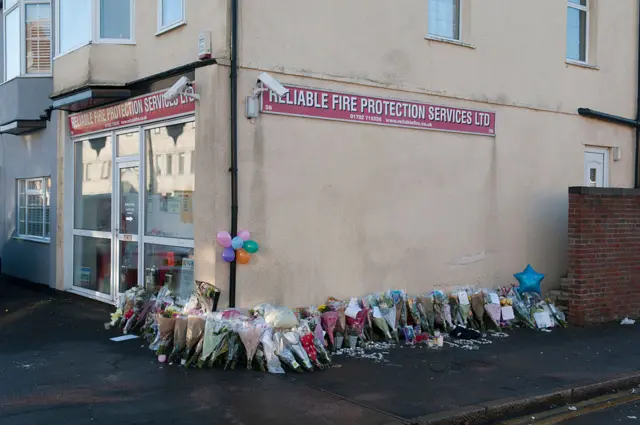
126 225
596 168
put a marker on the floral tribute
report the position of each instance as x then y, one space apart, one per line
277 339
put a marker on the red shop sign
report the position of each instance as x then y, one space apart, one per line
330 105
137 110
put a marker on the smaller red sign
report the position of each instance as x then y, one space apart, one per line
137 110
330 105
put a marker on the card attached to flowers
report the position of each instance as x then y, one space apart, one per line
493 297
376 312
507 313
463 297
543 320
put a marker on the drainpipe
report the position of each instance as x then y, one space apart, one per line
234 144
637 162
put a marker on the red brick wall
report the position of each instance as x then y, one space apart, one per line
604 254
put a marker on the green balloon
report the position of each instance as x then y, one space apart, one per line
251 246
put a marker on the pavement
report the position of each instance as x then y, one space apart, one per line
57 365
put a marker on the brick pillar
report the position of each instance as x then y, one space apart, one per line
604 254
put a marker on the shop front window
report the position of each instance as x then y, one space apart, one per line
93 188
169 208
169 266
92 264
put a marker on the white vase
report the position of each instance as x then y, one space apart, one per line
339 342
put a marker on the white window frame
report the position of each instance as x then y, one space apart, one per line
169 27
42 192
584 9
440 37
20 5
143 239
94 29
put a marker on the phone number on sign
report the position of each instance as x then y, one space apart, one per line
364 118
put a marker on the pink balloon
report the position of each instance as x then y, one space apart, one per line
224 239
244 235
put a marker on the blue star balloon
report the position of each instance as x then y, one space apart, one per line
529 280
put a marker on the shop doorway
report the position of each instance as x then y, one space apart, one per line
128 218
132 203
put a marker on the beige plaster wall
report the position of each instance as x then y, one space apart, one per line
211 210
517 58
152 52
344 209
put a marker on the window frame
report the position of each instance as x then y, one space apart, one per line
162 29
584 9
441 37
94 29
45 185
20 6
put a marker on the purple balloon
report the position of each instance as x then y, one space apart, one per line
224 239
244 235
228 255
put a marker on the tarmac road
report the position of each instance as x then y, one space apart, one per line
612 409
627 414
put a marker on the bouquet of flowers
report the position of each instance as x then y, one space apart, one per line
557 315
195 330
338 306
413 311
234 350
166 322
116 318
196 353
356 324
284 353
269 349
446 308
523 311
329 320
425 307
454 306
293 343
439 303
250 335
306 340
179 337
389 314
259 359
143 316
399 298
465 312
477 306
205 294
381 323
323 356
215 334
493 312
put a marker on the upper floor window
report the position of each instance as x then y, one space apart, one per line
27 37
577 30
81 22
444 19
171 13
